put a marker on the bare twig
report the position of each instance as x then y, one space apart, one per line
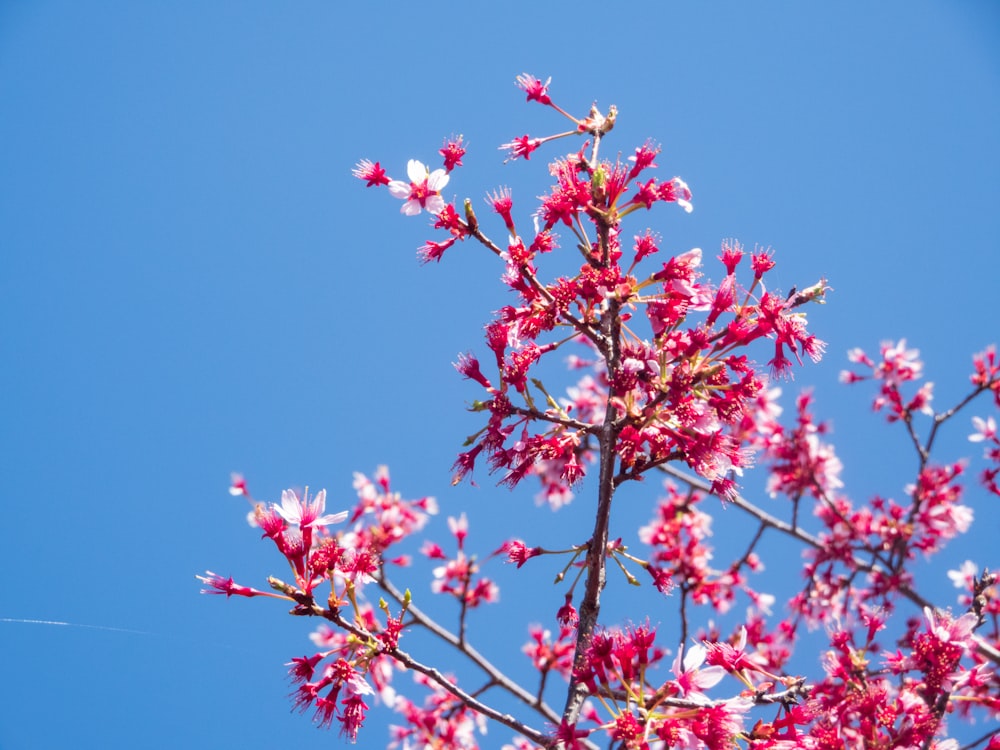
498 677
439 679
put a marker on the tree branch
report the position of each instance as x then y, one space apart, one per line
408 661
498 677
596 561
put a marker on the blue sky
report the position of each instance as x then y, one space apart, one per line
191 283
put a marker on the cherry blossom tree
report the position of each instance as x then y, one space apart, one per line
666 390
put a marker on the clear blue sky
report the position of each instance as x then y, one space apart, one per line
192 283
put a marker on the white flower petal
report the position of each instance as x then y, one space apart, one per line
290 508
435 204
416 170
438 179
330 519
399 189
694 657
708 677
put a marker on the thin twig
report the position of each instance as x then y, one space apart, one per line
439 679
498 677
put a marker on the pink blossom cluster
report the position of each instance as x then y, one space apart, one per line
345 561
679 394
682 555
900 365
667 381
459 575
442 721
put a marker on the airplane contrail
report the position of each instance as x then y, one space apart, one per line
73 625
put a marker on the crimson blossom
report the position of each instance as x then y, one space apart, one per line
669 384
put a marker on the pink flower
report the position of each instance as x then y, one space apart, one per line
947 630
569 735
304 514
731 657
219 585
645 245
468 366
353 707
518 552
371 173
433 551
501 202
899 364
237 485
732 254
423 191
459 527
692 680
986 429
567 615
534 88
676 191
521 147
453 151
965 575
431 250
761 261
643 158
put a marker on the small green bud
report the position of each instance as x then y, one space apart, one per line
470 216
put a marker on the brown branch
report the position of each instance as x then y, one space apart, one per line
573 424
596 561
498 677
435 676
